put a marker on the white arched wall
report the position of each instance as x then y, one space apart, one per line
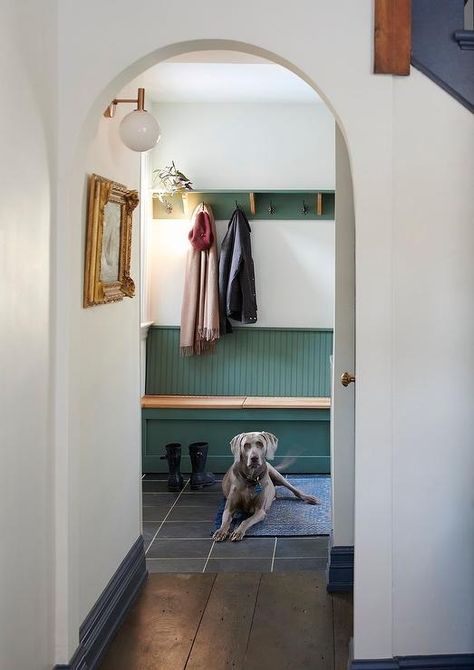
371 112
331 83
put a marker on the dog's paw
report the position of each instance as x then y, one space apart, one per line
237 535
311 500
220 535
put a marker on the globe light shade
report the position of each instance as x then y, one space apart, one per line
139 130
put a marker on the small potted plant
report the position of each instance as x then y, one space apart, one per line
168 181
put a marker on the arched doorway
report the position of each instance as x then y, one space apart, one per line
92 120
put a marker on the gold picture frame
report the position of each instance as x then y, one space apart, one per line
108 242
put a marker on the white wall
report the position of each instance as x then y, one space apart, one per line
294 271
248 145
376 114
26 172
433 466
251 146
107 358
98 478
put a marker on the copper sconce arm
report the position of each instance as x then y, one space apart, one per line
139 101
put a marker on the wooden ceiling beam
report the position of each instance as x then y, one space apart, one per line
392 37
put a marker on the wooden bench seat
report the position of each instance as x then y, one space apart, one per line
262 402
232 402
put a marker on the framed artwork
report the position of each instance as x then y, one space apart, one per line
108 242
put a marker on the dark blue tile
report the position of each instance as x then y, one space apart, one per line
149 532
214 488
166 548
186 529
157 513
197 513
149 486
249 547
188 499
149 499
302 547
175 564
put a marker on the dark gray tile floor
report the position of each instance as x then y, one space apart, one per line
178 527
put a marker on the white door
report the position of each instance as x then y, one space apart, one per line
343 398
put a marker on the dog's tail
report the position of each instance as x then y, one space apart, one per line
286 463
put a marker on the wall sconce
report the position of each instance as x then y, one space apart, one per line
139 130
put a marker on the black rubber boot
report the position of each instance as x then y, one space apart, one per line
173 456
198 456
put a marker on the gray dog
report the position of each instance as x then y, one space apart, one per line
249 484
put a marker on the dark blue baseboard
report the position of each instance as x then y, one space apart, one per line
105 617
341 570
444 662
375 664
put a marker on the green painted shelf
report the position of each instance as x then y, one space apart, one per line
271 204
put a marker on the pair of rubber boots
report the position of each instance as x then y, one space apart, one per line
198 456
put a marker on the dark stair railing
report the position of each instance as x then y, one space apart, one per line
465 37
443 46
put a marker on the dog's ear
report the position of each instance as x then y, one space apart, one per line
271 443
235 444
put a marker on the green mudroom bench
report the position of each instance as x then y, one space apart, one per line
274 379
300 423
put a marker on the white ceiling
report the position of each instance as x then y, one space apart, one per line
224 77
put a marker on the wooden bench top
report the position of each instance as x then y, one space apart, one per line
232 402
287 403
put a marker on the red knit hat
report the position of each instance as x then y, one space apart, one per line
200 235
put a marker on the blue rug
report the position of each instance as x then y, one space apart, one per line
291 516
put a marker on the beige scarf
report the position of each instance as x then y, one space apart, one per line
200 307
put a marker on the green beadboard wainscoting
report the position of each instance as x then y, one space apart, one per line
250 361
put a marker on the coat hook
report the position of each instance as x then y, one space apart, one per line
271 209
319 204
305 208
237 206
252 203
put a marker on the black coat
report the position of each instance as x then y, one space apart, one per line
237 298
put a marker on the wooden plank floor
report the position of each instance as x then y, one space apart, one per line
234 620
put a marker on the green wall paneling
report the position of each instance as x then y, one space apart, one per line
251 361
287 205
303 436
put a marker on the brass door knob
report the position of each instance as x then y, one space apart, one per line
347 378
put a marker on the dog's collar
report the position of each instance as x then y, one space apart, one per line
251 480
255 481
